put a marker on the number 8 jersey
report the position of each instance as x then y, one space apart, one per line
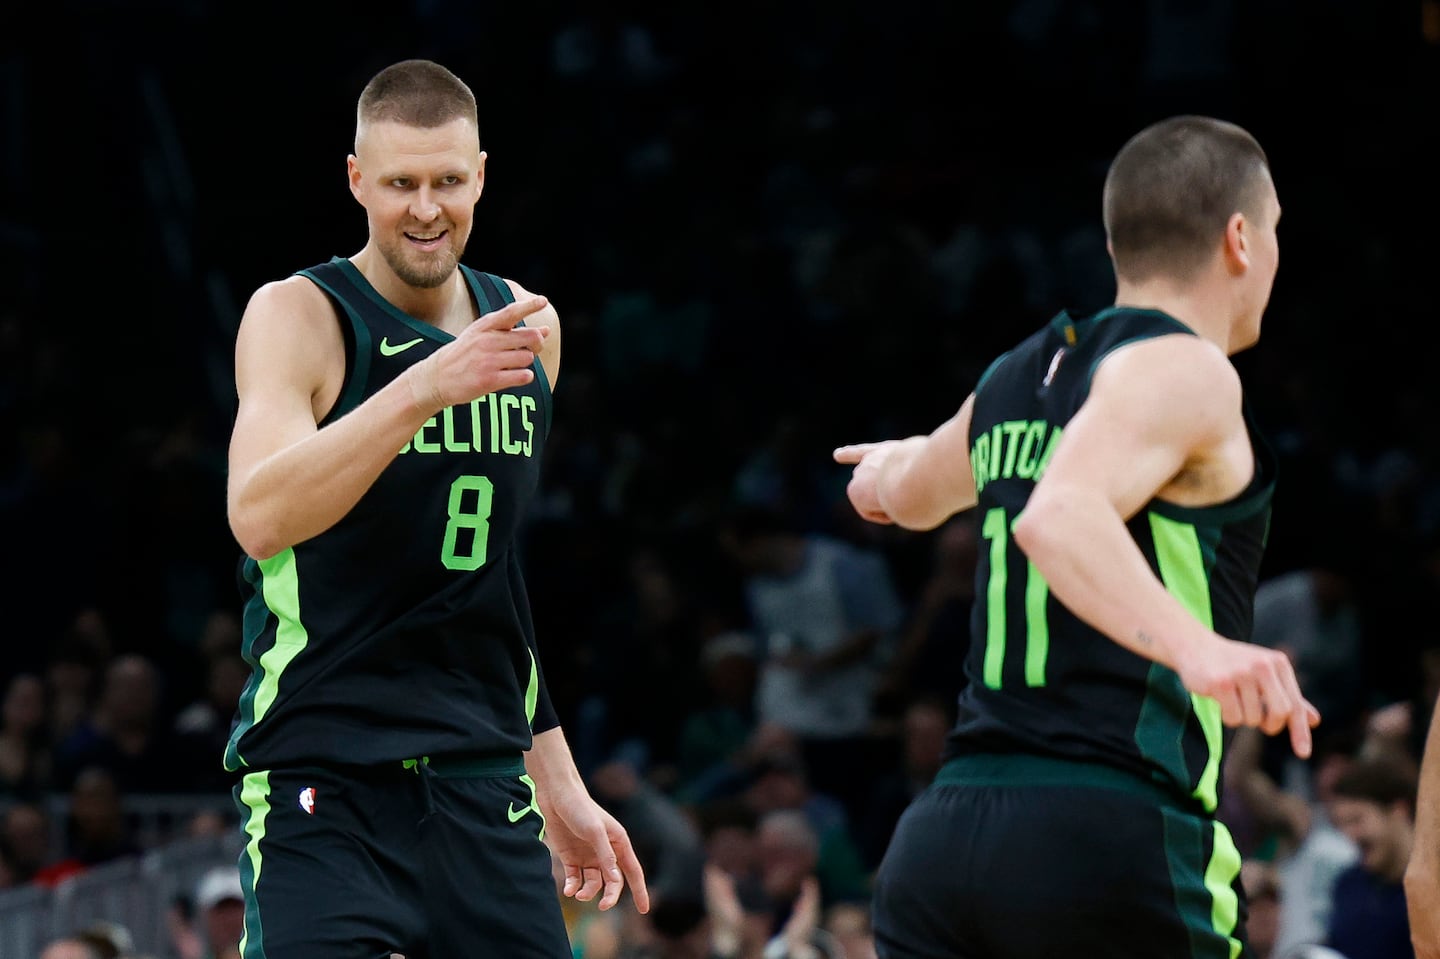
1037 678
403 630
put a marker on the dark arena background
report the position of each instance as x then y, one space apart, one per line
769 229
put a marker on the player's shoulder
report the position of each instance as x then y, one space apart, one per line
1181 356
546 317
1176 375
295 291
291 305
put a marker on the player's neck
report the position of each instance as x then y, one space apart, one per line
1193 305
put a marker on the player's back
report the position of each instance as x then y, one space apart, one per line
1038 679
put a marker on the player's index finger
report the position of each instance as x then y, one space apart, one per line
505 319
853 453
1300 733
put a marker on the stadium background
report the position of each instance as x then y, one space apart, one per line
768 228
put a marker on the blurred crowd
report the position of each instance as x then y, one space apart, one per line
768 232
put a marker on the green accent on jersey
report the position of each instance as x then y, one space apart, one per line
532 690
280 587
255 796
1220 876
1184 851
1183 562
1037 627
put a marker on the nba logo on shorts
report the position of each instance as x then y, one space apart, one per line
307 799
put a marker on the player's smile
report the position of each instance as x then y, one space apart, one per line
428 241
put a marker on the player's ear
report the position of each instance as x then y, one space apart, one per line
480 176
352 173
1237 243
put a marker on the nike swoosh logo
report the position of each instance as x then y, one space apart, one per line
517 816
387 350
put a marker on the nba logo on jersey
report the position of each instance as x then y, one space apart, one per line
1054 366
307 799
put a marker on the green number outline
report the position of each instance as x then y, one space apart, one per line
996 528
477 520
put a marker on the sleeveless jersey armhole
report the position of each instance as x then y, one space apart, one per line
357 346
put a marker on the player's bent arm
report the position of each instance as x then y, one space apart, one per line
550 352
1153 407
288 479
927 479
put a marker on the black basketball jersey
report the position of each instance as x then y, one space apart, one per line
403 630
1038 679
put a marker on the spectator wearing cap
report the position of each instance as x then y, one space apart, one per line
219 917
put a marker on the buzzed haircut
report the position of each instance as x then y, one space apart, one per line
1171 190
418 93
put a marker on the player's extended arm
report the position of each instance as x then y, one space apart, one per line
290 480
1422 876
917 482
1154 408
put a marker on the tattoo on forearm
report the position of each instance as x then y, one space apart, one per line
1145 639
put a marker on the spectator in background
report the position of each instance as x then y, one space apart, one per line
71 947
1313 614
849 924
26 847
96 829
649 672
827 613
1374 805
719 725
110 939
782 784
1309 852
24 739
73 672
929 659
1262 896
124 733
219 923
789 857
201 730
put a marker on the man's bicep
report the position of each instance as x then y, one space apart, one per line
278 370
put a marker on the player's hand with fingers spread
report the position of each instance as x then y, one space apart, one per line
1254 685
594 849
490 354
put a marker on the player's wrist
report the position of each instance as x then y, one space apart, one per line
424 390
